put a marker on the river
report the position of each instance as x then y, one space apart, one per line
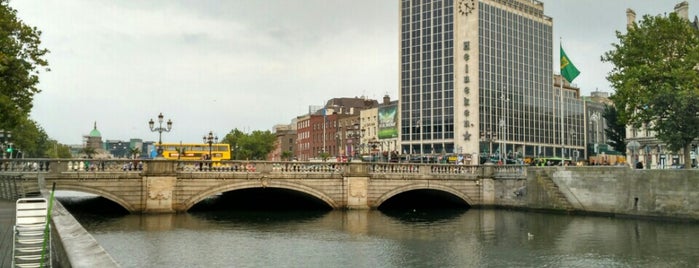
398 238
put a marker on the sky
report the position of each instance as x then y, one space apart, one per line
212 65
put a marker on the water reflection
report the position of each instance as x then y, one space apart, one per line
425 216
259 217
392 238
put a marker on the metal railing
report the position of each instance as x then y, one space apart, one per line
13 187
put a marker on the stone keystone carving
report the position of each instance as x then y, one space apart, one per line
358 188
159 189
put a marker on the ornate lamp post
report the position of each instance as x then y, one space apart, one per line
160 129
210 139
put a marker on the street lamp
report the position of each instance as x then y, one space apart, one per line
633 146
489 137
595 119
571 140
504 102
648 150
573 154
210 139
160 129
502 140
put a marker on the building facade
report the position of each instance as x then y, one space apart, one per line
476 78
285 146
595 105
320 134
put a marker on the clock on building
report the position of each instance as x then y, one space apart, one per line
466 6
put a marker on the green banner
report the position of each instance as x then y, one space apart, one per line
388 122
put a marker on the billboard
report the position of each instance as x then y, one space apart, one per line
388 121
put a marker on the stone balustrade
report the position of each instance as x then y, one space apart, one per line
127 165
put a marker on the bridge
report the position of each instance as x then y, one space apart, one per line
168 186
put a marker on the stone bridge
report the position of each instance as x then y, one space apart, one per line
166 186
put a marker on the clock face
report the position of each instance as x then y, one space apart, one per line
466 6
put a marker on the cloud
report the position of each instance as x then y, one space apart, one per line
208 65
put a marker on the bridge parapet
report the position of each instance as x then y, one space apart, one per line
24 165
510 172
259 167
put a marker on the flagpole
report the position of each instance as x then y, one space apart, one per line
560 92
568 72
562 114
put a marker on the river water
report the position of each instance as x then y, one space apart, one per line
399 238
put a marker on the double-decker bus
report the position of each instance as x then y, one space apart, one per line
196 151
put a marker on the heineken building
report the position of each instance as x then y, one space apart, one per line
477 79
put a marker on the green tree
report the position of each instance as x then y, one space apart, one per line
134 152
30 139
254 146
89 151
615 130
57 150
324 156
655 77
287 155
21 60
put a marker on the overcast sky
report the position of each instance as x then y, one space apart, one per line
219 65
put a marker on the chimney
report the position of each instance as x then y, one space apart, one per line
630 17
682 10
386 99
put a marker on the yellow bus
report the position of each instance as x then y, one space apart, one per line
196 151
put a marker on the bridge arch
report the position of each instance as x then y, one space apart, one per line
190 202
421 186
114 198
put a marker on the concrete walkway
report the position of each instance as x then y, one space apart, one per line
7 221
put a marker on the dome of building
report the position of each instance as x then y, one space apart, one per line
95 132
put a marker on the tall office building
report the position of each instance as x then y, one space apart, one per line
477 76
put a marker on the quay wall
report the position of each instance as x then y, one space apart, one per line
72 245
617 191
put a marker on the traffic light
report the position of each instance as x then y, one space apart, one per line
9 149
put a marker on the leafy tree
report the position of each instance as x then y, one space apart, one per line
21 59
89 151
287 155
324 156
615 130
655 77
254 146
57 150
29 138
134 152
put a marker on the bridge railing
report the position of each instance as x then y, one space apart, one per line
24 165
128 165
101 165
510 171
414 168
260 166
70 165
